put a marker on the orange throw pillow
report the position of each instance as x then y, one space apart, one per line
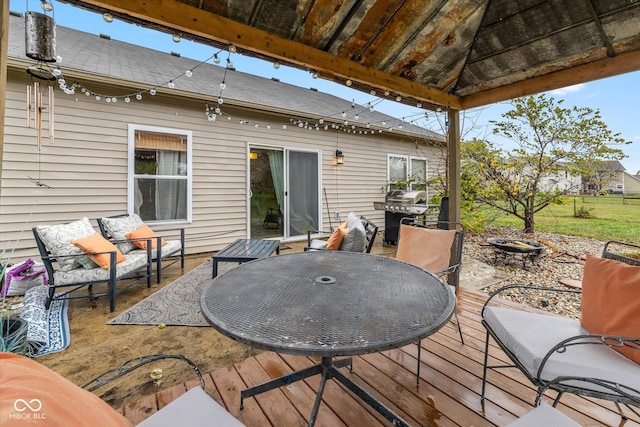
611 300
144 232
97 243
34 395
426 248
336 238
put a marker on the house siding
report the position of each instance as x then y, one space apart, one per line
87 165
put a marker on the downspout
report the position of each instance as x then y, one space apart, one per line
4 47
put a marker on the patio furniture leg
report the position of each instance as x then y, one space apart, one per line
418 369
326 368
484 369
455 314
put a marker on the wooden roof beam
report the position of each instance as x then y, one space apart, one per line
184 18
600 69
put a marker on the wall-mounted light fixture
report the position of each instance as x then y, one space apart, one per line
253 155
339 158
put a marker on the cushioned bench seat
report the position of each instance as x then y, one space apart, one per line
531 335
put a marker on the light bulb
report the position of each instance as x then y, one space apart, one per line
232 48
384 123
356 117
87 93
61 81
276 65
217 110
152 91
107 17
216 59
321 121
127 99
372 93
314 75
223 86
176 37
220 100
188 73
58 59
107 99
46 6
138 96
344 114
256 125
284 126
171 84
348 82
268 125
419 105
229 63
386 93
398 98
97 97
56 72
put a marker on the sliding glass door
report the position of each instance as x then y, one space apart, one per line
284 192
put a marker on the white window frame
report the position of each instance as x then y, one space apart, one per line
409 160
131 176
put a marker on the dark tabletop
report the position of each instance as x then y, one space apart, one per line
327 303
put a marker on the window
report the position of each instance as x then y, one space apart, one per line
406 172
160 173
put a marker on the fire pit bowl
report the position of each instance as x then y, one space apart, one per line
520 248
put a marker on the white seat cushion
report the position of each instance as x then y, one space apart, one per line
531 335
195 408
544 415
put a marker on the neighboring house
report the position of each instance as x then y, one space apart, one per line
165 156
561 179
608 177
631 183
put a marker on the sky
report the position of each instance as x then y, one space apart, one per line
617 98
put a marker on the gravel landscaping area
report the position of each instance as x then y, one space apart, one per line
564 258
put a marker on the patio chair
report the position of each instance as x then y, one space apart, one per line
194 408
435 246
349 236
70 268
604 343
547 415
120 227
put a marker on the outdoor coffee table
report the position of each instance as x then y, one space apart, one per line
327 304
244 250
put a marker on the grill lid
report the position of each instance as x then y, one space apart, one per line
405 197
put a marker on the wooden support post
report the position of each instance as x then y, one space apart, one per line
454 164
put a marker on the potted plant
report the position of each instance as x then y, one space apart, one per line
13 330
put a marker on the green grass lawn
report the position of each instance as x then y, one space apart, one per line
613 218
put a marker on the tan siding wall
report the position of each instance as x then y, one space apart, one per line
87 165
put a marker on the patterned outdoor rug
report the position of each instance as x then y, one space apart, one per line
48 330
176 304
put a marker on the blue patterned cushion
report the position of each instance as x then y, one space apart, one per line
57 239
118 227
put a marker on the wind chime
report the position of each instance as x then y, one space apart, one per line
40 44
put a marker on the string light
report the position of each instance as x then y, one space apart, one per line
212 114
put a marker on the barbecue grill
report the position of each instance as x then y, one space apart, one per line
397 205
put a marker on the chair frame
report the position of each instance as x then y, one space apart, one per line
452 272
158 258
48 259
587 339
371 231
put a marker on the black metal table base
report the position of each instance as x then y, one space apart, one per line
328 369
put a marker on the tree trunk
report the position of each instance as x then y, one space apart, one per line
529 222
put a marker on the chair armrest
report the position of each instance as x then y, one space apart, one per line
499 291
310 232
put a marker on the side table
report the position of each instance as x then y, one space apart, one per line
244 250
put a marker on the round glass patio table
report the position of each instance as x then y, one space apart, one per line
327 303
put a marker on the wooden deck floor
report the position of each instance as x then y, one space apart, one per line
449 391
